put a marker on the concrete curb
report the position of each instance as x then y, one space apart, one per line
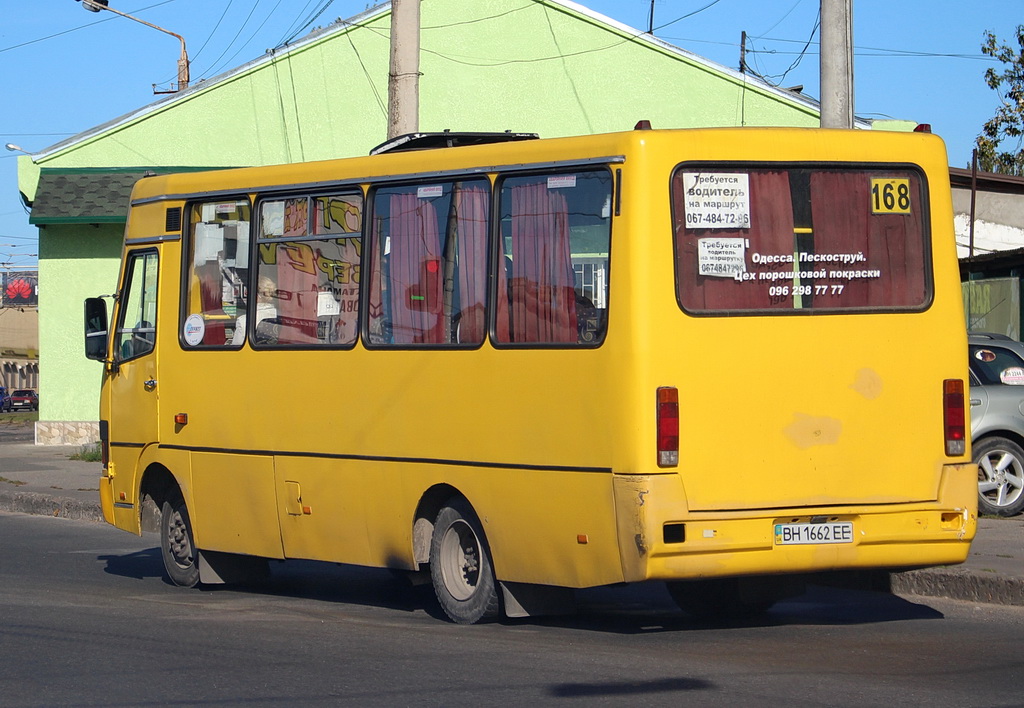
47 505
960 584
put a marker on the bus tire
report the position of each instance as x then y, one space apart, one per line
1000 475
460 566
719 599
177 547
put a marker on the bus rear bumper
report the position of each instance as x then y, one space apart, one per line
658 542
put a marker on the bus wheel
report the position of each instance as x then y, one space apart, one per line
724 598
181 561
460 566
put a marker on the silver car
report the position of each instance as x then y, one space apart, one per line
997 422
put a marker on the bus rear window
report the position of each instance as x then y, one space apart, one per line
789 239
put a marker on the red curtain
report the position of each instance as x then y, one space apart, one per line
416 279
471 210
543 303
770 233
211 297
297 293
891 243
296 279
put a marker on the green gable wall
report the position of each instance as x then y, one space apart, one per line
76 262
536 67
524 65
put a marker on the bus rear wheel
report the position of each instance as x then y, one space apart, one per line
460 566
719 599
177 547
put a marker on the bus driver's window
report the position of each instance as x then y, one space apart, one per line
137 324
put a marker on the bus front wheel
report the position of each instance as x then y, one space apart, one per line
177 548
460 566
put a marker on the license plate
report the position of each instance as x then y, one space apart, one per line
802 534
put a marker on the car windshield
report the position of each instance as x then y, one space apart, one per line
988 362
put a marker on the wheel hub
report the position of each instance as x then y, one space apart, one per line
181 546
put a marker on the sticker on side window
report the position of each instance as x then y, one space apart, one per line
1012 376
194 330
716 200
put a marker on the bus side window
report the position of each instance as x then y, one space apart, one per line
428 261
555 239
310 247
218 267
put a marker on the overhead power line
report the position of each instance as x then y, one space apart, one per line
75 29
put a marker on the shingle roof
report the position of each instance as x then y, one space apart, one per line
89 195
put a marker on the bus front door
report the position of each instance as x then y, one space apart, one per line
132 383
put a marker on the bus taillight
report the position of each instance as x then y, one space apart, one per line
668 426
953 417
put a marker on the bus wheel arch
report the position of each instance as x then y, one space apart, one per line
461 570
158 484
161 491
430 505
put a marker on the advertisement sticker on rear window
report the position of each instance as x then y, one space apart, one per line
716 200
721 257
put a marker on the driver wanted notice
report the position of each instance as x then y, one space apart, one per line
716 200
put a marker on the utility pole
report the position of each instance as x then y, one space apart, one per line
404 74
836 63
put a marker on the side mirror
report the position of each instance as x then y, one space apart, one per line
95 329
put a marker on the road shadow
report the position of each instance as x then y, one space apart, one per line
605 689
138 565
641 608
648 608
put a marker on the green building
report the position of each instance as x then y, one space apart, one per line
551 67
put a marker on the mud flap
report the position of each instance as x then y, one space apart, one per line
528 600
217 568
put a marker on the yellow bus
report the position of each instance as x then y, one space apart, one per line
727 359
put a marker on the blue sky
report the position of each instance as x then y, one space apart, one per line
66 70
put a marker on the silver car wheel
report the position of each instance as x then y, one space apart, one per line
1000 476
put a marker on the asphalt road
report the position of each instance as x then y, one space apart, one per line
88 620
17 431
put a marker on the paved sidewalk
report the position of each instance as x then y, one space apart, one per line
36 479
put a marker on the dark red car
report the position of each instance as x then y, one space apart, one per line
23 398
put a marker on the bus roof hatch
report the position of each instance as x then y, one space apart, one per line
429 141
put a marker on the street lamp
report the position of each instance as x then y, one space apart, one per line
17 148
99 5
